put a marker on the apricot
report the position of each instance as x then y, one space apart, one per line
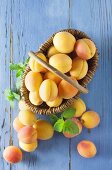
55 103
17 125
35 66
90 119
27 134
85 48
33 81
34 98
12 154
27 117
78 123
22 105
80 107
52 76
66 90
52 51
28 147
48 90
61 62
44 129
64 42
79 68
86 149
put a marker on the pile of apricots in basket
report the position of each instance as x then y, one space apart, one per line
45 86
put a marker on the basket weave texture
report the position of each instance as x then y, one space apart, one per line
43 108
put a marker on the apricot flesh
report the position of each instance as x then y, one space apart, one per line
35 66
17 125
27 117
90 119
27 134
12 154
78 123
79 68
55 103
64 42
80 107
61 62
48 90
52 51
34 98
28 147
33 81
44 129
52 76
22 105
86 149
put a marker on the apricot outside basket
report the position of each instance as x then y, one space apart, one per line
44 109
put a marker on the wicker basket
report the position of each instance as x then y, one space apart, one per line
44 109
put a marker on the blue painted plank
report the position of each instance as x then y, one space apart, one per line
94 18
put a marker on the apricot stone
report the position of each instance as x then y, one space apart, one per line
27 134
27 117
17 125
22 105
61 62
90 119
33 81
35 66
34 98
28 147
66 90
85 48
64 42
48 90
52 51
86 149
79 68
12 154
55 103
52 76
78 123
80 107
44 129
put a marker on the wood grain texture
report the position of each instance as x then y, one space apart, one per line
24 26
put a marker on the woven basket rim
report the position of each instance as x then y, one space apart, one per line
44 109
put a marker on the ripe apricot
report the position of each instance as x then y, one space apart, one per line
33 81
27 134
44 129
61 62
80 107
48 90
22 105
64 42
17 125
27 117
90 119
52 76
78 123
28 147
52 51
79 68
66 90
85 48
86 149
12 154
34 98
35 66
55 103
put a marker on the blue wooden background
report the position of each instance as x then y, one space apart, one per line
24 25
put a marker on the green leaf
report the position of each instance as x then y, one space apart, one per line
27 61
53 119
15 66
70 127
58 126
16 96
69 113
18 83
19 73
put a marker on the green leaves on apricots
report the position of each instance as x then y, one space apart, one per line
58 126
70 127
69 113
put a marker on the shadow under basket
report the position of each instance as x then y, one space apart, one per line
43 108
